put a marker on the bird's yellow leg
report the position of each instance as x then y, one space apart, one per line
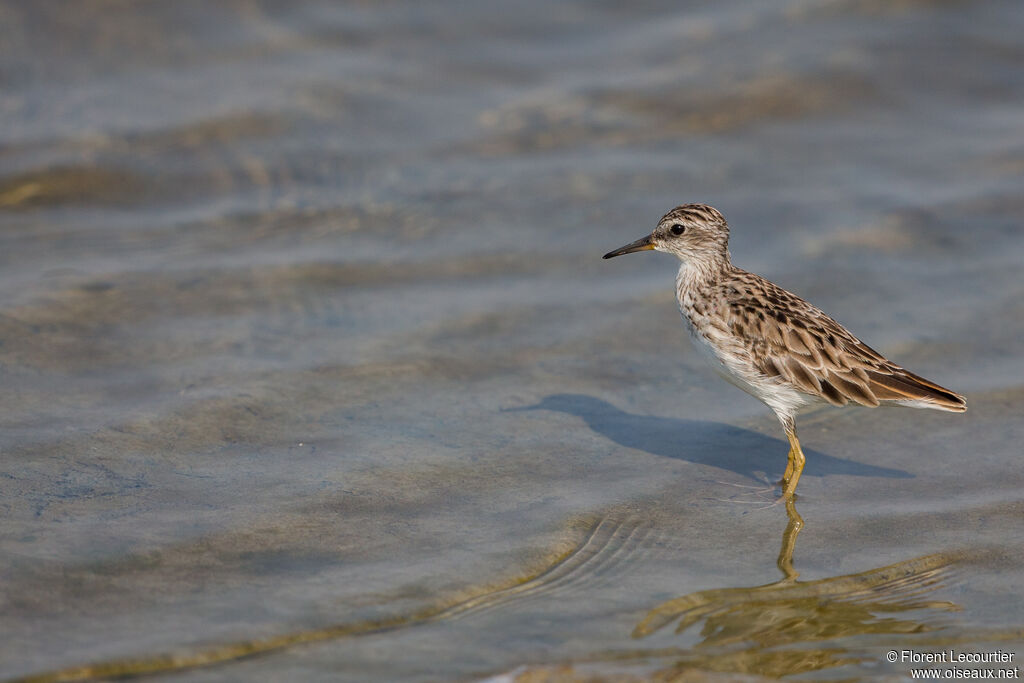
789 467
795 467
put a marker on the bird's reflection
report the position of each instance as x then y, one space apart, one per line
746 630
788 626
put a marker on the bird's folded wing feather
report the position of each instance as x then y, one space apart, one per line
791 339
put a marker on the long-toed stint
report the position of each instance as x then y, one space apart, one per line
771 343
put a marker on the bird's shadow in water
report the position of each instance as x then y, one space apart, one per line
708 443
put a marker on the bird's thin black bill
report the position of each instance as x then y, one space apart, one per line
642 244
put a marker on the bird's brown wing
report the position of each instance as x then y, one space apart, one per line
791 339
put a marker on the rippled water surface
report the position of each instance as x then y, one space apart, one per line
311 369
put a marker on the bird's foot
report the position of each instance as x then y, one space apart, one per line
766 487
765 484
761 505
765 495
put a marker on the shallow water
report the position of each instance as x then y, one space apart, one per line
312 369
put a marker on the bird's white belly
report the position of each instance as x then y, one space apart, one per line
736 370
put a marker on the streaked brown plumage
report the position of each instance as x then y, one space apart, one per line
786 337
770 342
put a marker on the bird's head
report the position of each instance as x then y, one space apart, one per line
695 233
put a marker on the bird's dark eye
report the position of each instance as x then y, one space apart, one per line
678 229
